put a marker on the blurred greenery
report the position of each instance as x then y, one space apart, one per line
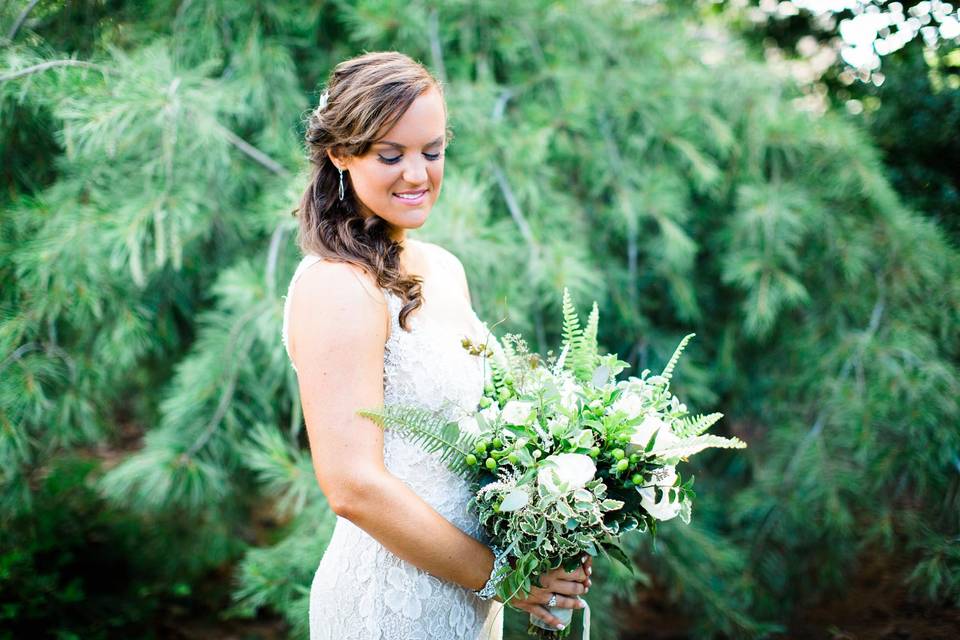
908 98
642 154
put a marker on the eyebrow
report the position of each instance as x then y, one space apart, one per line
437 140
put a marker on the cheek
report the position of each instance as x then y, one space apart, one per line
375 181
436 171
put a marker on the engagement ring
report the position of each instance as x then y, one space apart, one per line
552 602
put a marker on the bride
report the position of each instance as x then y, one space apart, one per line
373 317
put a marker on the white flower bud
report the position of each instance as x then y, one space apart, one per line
565 472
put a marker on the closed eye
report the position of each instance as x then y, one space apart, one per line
396 159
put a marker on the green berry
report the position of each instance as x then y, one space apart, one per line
471 459
481 447
595 452
617 454
491 464
488 389
634 458
622 465
513 458
497 442
485 402
536 453
636 478
504 393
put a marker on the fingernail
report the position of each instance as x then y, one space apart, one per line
585 589
583 558
589 570
560 626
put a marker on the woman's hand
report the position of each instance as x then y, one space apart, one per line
557 581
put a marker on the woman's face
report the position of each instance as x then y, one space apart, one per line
407 158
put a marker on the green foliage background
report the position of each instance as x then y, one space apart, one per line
641 158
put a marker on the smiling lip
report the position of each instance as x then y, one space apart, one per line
411 201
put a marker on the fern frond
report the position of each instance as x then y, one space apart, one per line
561 361
585 353
696 444
510 354
571 323
668 370
432 431
690 426
572 333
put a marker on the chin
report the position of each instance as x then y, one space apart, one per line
417 223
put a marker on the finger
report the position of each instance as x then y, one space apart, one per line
568 587
579 574
566 602
544 615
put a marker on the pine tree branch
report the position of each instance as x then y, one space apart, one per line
50 348
227 395
50 64
619 167
436 47
20 20
794 465
272 255
245 147
18 353
517 214
512 206
254 153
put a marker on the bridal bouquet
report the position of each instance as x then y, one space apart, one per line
563 458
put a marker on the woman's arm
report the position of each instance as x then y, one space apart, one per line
338 327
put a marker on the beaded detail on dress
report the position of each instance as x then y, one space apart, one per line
361 590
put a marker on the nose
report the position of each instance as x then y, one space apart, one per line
415 172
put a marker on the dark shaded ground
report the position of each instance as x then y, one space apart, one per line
876 606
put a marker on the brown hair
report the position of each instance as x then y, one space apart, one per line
366 95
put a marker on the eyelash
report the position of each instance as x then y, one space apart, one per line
429 156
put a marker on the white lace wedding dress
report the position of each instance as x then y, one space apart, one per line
362 591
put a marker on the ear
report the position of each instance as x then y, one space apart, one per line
338 162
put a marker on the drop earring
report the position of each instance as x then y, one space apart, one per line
341 183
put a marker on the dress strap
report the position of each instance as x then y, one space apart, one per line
394 304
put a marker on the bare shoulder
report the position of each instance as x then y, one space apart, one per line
328 276
451 261
336 301
443 254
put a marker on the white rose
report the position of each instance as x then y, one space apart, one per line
516 412
629 403
664 509
557 422
644 431
565 472
491 413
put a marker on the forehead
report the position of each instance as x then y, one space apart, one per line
421 123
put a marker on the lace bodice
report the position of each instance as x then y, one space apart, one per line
362 591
